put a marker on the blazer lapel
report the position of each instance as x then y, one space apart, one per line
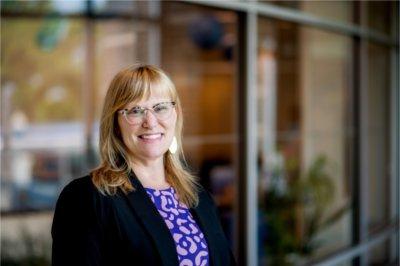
153 222
206 222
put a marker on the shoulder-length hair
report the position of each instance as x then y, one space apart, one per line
134 84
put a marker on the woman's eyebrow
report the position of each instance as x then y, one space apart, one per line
133 107
138 106
159 103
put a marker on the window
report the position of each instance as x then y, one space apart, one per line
305 185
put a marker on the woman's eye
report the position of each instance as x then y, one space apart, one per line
160 108
135 111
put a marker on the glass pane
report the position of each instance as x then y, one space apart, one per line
378 136
121 7
43 7
80 7
123 43
305 197
334 10
380 255
380 14
197 50
42 114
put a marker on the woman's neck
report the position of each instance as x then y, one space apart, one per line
150 173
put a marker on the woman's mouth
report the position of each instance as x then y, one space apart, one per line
150 138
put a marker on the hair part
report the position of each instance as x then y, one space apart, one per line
134 84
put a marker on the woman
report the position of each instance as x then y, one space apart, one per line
140 206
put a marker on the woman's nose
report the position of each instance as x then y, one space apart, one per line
149 119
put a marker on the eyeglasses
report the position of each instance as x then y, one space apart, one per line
161 111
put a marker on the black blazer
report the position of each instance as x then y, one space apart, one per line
92 229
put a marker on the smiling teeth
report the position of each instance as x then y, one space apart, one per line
153 136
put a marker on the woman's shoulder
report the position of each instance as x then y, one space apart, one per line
79 207
82 186
82 199
82 193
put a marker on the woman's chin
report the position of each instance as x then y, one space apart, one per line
152 154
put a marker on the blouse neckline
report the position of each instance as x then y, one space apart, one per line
156 189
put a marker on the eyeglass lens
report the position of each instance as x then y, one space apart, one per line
161 111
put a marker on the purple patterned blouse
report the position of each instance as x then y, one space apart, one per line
190 242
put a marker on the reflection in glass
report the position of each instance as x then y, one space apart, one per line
42 136
197 51
379 15
124 43
341 11
378 136
122 7
379 255
44 7
305 197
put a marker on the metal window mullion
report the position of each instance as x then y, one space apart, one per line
88 93
154 34
363 200
251 126
394 133
347 254
394 149
363 178
296 16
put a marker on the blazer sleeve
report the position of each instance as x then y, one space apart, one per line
76 231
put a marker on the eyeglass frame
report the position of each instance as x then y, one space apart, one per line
145 109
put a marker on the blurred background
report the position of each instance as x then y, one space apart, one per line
291 117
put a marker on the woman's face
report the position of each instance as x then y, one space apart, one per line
149 137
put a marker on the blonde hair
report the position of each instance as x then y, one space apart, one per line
134 84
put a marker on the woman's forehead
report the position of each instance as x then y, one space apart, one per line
151 100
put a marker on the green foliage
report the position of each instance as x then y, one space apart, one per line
25 6
37 73
309 195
